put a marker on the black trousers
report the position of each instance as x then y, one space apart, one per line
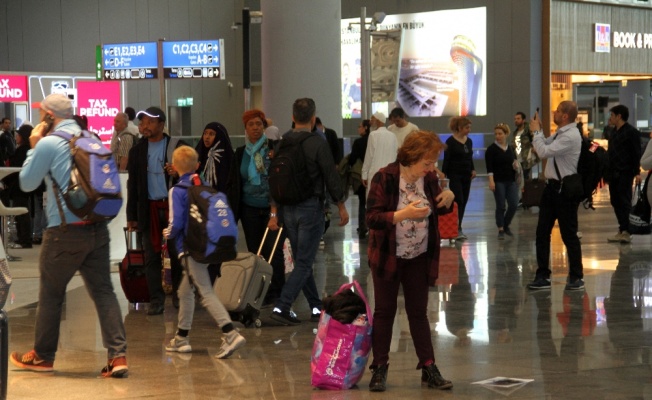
555 207
620 194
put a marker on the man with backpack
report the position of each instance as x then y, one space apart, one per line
150 176
299 173
624 156
563 153
76 246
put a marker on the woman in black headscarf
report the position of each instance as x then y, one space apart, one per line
215 155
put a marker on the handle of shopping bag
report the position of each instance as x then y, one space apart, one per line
262 242
360 292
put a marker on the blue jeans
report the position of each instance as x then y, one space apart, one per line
83 248
304 223
505 191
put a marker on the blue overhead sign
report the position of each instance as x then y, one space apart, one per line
193 59
130 61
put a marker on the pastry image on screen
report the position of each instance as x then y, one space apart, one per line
469 68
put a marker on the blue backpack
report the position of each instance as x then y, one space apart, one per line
211 231
93 191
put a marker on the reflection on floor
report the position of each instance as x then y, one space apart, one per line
593 344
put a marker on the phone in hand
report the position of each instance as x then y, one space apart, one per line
47 118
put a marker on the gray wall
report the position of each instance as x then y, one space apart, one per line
61 35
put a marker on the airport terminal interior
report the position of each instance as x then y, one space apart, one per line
485 325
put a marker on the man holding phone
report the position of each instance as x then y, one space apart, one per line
79 246
563 149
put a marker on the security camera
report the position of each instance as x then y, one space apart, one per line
235 26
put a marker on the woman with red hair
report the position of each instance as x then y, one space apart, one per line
248 193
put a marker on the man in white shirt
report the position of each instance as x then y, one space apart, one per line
381 149
563 152
400 126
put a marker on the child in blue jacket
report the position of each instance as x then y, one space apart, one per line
195 275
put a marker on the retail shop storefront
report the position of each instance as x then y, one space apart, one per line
600 56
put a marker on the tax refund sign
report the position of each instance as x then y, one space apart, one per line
193 59
13 88
100 103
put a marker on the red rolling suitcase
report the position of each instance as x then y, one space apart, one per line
449 225
132 270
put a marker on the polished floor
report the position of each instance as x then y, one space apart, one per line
594 344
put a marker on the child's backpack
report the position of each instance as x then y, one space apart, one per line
289 180
93 191
211 232
592 166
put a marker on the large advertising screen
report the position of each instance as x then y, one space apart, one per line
442 63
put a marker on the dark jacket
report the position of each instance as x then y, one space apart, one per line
321 167
137 197
382 202
358 149
625 151
333 144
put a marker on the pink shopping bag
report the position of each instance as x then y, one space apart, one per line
340 353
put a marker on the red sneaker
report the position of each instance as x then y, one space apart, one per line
31 361
116 368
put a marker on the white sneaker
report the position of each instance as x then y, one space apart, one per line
625 237
231 342
616 238
179 344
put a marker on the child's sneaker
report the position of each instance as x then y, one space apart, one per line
31 361
231 342
179 344
116 368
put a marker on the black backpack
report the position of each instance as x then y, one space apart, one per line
289 180
592 166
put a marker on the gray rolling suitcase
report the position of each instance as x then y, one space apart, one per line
243 284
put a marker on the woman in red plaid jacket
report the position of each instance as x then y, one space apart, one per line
402 206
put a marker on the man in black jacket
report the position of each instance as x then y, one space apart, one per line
150 177
624 158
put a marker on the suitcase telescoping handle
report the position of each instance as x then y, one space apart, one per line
134 241
262 242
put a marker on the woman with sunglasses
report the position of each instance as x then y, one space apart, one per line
501 167
458 165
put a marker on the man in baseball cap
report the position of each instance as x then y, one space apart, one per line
152 112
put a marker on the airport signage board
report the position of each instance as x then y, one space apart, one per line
100 103
13 88
193 59
130 61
